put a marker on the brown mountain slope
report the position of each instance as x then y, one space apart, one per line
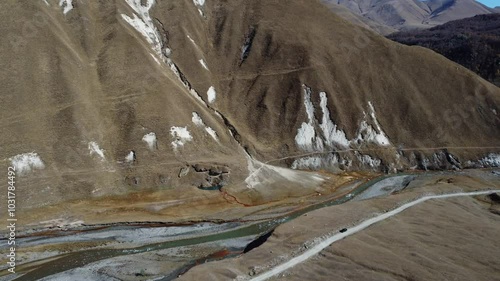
289 51
84 90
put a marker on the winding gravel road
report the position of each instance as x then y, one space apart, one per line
338 236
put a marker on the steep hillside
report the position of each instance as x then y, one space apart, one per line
109 97
411 14
473 43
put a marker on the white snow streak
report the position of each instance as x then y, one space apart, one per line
366 133
191 39
211 94
180 135
381 137
199 123
95 149
130 157
212 133
306 138
197 120
333 136
339 236
204 64
308 104
26 162
174 68
67 5
197 97
156 60
150 139
143 23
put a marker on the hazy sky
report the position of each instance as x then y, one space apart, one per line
490 3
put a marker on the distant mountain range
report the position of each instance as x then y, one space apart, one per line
410 14
472 42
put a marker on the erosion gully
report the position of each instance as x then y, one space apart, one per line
73 260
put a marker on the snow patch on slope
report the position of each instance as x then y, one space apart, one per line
95 149
333 136
492 160
212 133
150 139
143 23
200 4
26 162
381 138
366 133
211 94
204 64
180 135
197 97
306 137
199 122
66 5
130 157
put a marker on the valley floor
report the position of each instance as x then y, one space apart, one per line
428 241
441 239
